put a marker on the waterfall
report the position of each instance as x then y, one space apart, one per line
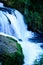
12 24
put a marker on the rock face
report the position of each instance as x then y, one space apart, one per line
10 51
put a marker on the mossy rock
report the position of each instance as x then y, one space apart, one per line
10 51
39 61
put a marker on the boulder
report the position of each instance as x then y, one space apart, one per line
10 51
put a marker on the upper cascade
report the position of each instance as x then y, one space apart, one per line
12 22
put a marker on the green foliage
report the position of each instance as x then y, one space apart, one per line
39 61
34 21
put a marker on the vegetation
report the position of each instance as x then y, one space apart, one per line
10 51
32 10
39 61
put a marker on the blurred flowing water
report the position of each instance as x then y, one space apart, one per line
12 24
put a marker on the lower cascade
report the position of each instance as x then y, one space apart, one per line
12 24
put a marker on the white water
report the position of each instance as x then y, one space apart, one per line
18 29
31 52
1 4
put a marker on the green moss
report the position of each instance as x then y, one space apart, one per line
13 59
12 39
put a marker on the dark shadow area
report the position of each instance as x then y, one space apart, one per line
38 38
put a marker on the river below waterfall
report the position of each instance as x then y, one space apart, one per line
32 48
12 24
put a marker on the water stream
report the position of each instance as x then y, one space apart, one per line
12 24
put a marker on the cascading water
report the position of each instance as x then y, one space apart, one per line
12 24
1 4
